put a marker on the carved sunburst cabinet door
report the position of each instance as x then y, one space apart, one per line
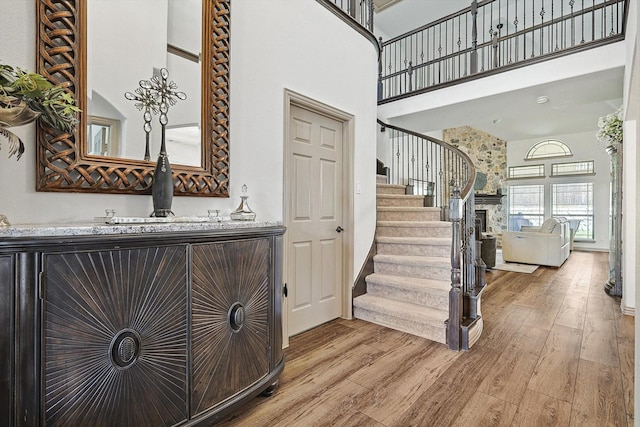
115 326
230 330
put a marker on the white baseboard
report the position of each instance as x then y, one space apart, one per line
629 311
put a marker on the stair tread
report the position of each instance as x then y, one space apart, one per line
399 196
407 208
401 309
434 241
408 282
414 224
431 261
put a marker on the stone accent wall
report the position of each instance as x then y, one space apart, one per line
489 155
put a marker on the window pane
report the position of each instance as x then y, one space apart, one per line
548 148
532 171
575 202
526 206
574 168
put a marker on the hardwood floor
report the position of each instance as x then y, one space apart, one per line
556 351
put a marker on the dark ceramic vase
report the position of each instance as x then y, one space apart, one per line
162 186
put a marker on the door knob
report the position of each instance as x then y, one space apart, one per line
339 229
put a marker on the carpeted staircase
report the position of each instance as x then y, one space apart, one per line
409 289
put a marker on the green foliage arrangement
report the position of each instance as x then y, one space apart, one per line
25 97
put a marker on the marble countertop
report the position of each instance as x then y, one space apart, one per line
128 226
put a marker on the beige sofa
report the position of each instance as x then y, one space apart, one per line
548 245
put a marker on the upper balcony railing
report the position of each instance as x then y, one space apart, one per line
359 10
492 36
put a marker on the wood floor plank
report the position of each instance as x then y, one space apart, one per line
599 342
555 373
540 410
528 296
334 406
598 400
509 378
326 356
573 310
626 351
441 404
531 339
315 338
499 334
543 317
395 384
486 411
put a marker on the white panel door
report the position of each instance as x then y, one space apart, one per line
314 218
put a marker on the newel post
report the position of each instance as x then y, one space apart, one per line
474 37
454 337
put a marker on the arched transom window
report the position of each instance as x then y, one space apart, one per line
548 148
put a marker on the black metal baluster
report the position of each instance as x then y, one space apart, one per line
542 30
573 24
582 18
551 30
593 20
412 168
494 40
604 20
515 29
397 168
562 27
533 24
439 53
524 25
422 64
612 33
459 45
509 41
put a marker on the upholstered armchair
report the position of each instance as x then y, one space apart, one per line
546 245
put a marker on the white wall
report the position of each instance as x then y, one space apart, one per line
297 45
631 189
584 147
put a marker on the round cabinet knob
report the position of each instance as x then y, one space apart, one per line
236 316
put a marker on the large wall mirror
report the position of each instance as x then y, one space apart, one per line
101 49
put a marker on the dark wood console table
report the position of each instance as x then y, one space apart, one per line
138 329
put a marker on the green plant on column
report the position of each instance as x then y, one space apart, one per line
610 134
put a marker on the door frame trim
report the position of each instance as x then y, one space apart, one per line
348 138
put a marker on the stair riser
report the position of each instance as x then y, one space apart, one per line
391 190
427 297
414 250
381 179
394 231
408 216
397 201
421 271
434 332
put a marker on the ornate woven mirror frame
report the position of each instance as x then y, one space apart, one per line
62 160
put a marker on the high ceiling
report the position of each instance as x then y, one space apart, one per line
573 106
574 103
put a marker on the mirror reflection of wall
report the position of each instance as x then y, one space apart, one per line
127 41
